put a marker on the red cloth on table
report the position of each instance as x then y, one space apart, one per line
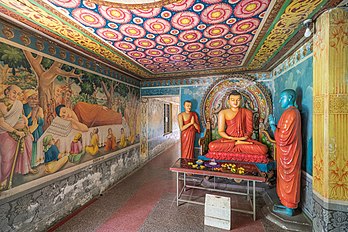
289 154
242 157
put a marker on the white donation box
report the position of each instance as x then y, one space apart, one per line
217 211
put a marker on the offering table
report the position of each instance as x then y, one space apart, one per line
228 169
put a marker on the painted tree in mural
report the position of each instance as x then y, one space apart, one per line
91 83
131 111
109 89
4 71
90 86
46 72
14 68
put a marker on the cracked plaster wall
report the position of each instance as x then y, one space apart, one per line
38 210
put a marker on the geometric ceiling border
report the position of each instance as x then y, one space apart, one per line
271 19
142 6
287 24
49 24
293 45
194 81
202 73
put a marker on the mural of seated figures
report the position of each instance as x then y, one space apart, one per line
54 116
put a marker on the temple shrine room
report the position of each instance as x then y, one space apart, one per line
173 115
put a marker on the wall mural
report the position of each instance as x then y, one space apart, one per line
54 116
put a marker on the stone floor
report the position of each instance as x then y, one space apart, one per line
146 201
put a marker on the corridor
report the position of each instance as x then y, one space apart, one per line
145 201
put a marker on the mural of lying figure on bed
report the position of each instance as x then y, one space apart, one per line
85 128
86 115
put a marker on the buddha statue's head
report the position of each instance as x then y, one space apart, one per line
235 99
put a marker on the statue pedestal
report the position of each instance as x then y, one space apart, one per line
298 222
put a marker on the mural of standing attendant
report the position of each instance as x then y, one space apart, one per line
189 126
15 139
289 153
35 116
93 148
54 160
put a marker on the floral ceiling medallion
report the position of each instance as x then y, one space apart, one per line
134 4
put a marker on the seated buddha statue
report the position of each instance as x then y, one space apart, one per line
235 126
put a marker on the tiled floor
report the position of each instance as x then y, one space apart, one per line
145 201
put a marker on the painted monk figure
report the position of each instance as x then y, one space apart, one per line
14 133
289 153
235 126
189 126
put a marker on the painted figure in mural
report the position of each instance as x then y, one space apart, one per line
35 116
67 98
235 126
15 138
76 149
54 159
93 148
289 153
76 144
110 141
189 126
85 115
123 140
69 115
50 113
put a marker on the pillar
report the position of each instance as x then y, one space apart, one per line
330 121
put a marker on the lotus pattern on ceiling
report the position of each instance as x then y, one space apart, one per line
186 35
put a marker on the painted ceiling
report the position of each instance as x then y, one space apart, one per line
171 38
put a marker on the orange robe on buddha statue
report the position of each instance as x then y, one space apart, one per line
241 125
188 138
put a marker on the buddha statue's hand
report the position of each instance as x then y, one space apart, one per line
237 138
241 138
238 142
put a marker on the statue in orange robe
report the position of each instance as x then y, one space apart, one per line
235 126
289 153
189 126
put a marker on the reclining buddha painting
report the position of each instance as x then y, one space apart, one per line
54 116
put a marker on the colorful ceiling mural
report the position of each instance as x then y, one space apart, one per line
170 38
